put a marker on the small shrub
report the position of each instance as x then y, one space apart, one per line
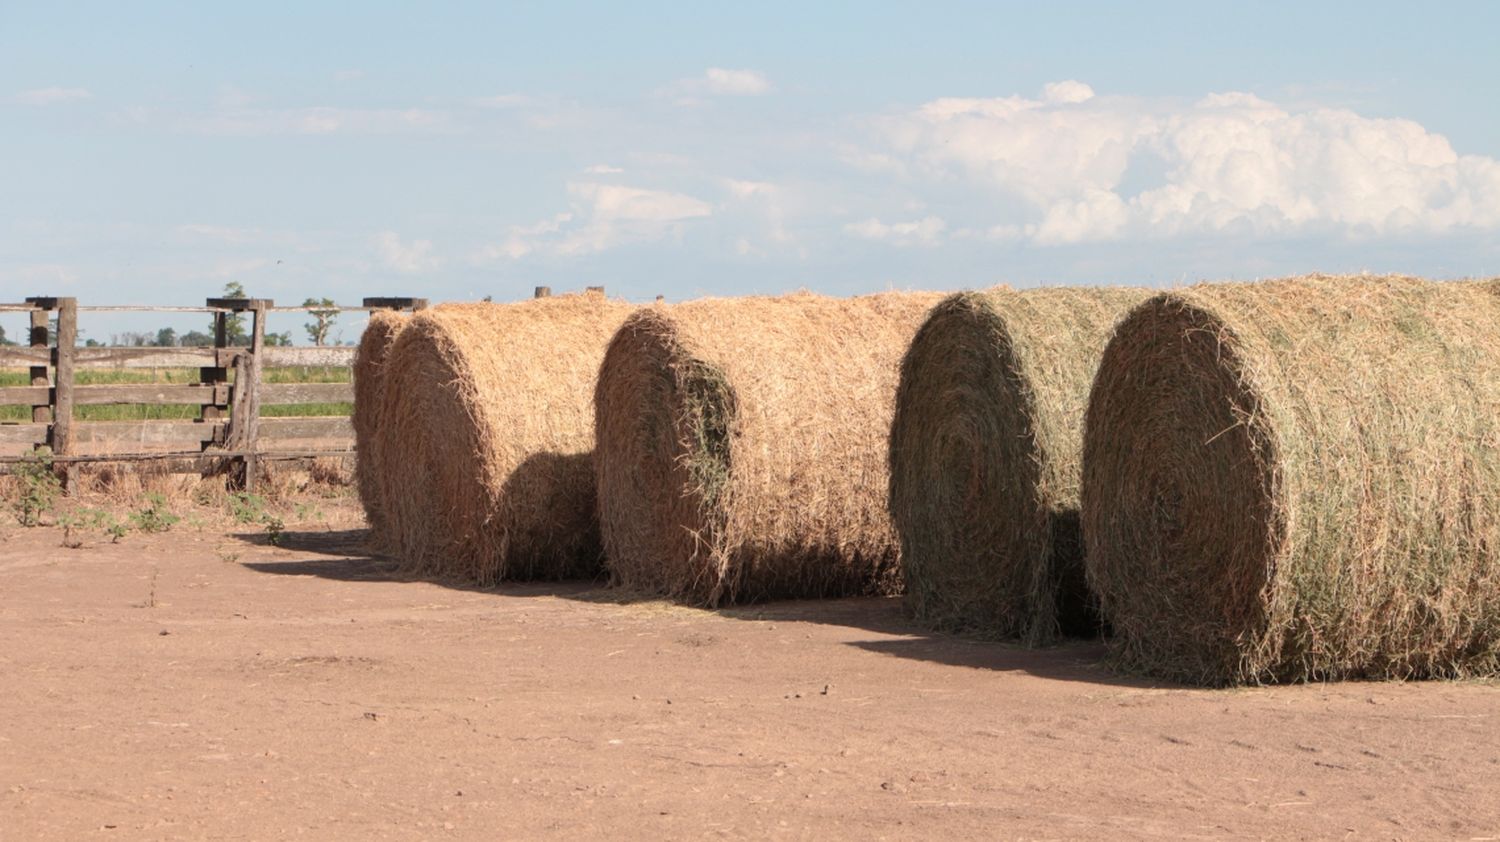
155 517
275 530
245 507
39 487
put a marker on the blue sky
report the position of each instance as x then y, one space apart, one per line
152 152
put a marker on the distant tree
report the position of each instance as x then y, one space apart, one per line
131 339
92 343
279 339
3 340
166 338
317 329
196 339
234 323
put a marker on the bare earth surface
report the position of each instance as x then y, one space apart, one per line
205 685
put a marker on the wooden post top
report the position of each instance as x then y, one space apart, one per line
240 305
396 303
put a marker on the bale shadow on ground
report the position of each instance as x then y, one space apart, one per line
344 555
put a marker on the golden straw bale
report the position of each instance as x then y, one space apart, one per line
1299 480
369 377
742 446
985 459
486 438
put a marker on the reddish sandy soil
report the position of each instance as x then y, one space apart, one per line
207 686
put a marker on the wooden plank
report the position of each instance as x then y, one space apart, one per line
331 356
191 461
334 428
24 395
280 394
23 434
388 303
334 356
62 393
181 433
13 357
179 394
281 429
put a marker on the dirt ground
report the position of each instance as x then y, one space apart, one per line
206 685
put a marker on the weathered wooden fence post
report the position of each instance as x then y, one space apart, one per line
215 377
41 412
244 422
61 437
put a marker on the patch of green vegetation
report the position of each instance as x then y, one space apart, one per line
249 508
39 490
87 518
154 516
709 402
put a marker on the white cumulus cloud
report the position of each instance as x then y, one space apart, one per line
718 81
1086 168
603 216
399 256
927 231
52 96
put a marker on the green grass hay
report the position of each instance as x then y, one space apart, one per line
1299 480
985 455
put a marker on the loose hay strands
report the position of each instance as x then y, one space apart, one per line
1299 480
985 455
742 446
486 438
369 379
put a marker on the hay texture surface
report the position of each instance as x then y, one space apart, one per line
742 446
1300 480
369 381
486 438
985 454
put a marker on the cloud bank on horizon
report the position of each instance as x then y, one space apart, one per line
709 185
1230 163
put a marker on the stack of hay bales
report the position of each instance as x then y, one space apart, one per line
485 439
985 454
742 446
369 381
1300 480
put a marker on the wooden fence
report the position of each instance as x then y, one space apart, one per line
228 437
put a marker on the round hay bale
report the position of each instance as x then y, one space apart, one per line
486 438
985 455
1299 480
742 446
369 373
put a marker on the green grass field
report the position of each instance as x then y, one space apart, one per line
153 412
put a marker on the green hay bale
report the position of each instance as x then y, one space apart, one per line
1299 480
985 451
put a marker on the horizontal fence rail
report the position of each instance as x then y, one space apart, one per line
230 436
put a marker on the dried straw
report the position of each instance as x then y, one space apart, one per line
742 446
985 458
369 380
486 438
1300 480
